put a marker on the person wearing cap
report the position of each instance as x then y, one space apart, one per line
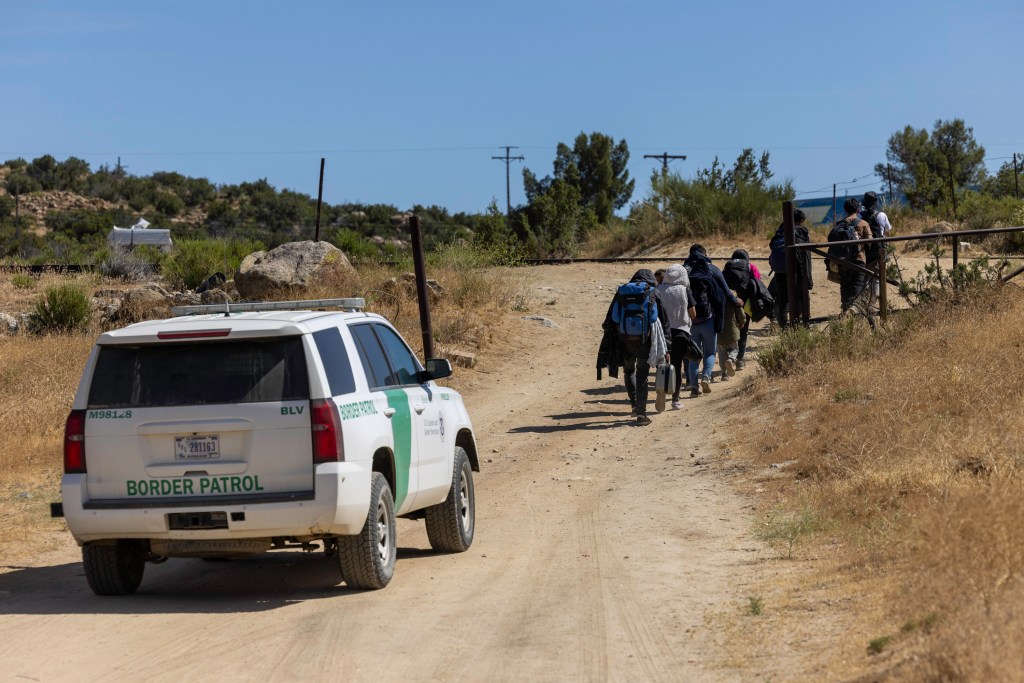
880 226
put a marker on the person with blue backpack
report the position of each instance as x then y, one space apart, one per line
778 287
638 316
710 294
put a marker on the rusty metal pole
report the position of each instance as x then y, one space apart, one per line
421 287
794 298
319 199
883 295
956 251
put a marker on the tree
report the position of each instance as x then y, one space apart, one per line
596 167
929 168
747 171
1007 181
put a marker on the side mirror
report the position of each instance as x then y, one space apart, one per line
437 368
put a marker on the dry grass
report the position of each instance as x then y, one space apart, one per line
912 456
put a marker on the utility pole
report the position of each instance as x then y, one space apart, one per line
508 159
664 157
888 174
1016 180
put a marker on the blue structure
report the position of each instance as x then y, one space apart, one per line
821 210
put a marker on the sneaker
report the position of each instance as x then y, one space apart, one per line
740 364
676 405
695 393
727 368
725 377
643 420
633 411
705 384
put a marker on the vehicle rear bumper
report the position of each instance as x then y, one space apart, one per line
337 505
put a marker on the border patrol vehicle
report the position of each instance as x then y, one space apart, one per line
263 426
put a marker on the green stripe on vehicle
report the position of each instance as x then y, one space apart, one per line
401 431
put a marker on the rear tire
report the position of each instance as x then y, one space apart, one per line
113 569
367 560
451 524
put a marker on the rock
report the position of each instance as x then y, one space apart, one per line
214 296
546 322
940 227
8 324
147 295
287 268
215 281
185 299
461 358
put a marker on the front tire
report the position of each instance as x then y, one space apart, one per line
367 560
451 524
114 569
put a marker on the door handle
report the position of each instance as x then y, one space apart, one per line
388 412
419 408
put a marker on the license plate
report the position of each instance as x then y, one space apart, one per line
195 447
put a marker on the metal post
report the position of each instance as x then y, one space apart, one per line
883 294
421 287
888 174
834 210
319 199
794 298
956 251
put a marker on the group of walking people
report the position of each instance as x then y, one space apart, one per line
692 314
686 317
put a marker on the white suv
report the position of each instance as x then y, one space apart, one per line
229 434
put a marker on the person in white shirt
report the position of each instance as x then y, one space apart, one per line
880 227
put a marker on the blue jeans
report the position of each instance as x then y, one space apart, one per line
703 335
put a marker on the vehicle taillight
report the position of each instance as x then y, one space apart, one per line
74 443
326 426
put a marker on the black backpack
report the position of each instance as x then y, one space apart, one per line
762 303
737 276
700 285
876 231
842 232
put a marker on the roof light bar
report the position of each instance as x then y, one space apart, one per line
351 304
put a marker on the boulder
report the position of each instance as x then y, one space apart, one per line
8 324
214 296
289 268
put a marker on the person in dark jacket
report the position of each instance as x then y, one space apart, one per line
710 292
636 352
779 286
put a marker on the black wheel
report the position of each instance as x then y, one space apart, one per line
114 569
450 524
367 560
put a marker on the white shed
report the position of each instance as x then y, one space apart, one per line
140 233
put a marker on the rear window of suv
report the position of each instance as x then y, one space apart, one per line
189 374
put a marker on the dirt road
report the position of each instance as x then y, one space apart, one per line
604 551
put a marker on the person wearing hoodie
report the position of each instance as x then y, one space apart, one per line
739 272
779 286
680 308
636 350
710 292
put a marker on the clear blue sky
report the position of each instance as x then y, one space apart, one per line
409 100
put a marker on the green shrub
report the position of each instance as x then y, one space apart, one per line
23 281
356 247
192 261
130 264
61 309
